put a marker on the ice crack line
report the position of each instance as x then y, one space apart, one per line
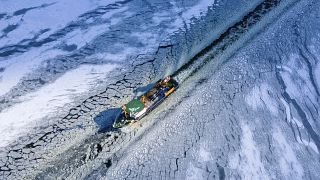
302 114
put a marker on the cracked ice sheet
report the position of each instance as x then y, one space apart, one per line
32 59
17 67
21 117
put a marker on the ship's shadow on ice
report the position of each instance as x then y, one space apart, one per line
105 119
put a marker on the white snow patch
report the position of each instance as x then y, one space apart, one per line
198 10
21 117
186 14
248 162
289 165
117 12
82 37
194 173
291 88
253 98
147 38
160 17
259 97
52 17
123 54
204 154
18 66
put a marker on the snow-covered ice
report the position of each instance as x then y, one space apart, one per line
38 15
47 101
248 162
260 97
289 165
